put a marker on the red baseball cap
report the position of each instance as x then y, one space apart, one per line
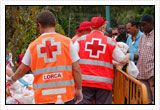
97 22
84 26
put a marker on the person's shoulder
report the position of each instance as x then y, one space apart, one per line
63 36
142 36
140 33
129 36
111 41
74 37
82 38
109 38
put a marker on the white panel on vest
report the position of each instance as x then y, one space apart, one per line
95 47
49 49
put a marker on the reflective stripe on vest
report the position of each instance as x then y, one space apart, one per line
53 69
97 78
54 84
109 41
54 91
95 62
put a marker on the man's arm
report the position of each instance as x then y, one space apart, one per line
78 80
75 66
20 72
77 74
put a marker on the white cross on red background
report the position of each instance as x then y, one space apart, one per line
95 47
49 49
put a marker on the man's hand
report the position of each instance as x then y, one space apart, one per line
20 72
10 80
136 57
78 95
123 62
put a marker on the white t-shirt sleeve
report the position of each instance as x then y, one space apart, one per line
27 58
76 45
74 54
118 55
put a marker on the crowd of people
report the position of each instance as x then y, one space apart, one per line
141 48
81 69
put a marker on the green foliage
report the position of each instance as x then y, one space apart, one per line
21 27
59 29
71 16
121 14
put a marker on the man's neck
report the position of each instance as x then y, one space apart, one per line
96 30
123 35
149 30
48 30
135 34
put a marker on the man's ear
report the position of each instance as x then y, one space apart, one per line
39 25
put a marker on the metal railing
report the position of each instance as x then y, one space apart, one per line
128 90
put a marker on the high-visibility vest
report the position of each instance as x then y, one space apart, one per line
77 36
95 52
52 70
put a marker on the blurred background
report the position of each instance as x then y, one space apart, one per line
21 27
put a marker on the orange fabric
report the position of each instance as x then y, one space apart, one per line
62 59
119 46
96 70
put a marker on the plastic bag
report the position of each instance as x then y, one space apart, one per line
28 96
132 69
20 95
21 91
124 47
11 100
29 78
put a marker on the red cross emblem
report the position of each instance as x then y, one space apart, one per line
49 49
95 47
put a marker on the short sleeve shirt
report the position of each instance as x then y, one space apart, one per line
27 57
145 62
133 45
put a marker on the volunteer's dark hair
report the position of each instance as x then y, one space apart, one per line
46 19
133 23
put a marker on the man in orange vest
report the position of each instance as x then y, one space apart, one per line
54 62
96 52
84 29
